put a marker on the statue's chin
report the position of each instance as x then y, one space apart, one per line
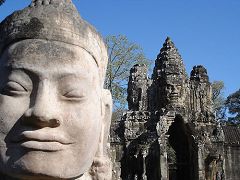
6 177
46 165
40 176
37 174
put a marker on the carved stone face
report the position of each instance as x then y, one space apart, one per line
173 92
50 110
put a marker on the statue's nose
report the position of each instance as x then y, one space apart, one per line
174 89
33 119
43 109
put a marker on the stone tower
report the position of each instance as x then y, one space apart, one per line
170 81
137 88
201 105
169 131
169 78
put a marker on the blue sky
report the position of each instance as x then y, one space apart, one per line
205 32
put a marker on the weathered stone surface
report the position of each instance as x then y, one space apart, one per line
137 88
200 95
169 78
169 131
54 113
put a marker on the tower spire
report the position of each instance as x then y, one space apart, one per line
168 42
169 61
169 77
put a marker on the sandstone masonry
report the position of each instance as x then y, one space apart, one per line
169 131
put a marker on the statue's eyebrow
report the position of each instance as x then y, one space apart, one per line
28 73
77 75
34 74
25 70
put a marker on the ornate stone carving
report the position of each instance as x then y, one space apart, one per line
169 77
170 118
137 88
200 95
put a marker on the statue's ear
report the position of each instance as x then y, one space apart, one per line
101 168
107 105
106 118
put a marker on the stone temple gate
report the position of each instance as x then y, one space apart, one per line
169 131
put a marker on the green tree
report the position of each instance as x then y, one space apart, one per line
123 54
218 99
233 105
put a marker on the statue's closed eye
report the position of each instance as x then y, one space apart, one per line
74 95
13 88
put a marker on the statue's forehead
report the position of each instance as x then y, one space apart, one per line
49 58
37 47
40 52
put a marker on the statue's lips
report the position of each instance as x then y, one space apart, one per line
174 95
42 141
42 146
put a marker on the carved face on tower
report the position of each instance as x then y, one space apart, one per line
170 76
174 90
54 113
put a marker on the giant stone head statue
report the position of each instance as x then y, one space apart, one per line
54 112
